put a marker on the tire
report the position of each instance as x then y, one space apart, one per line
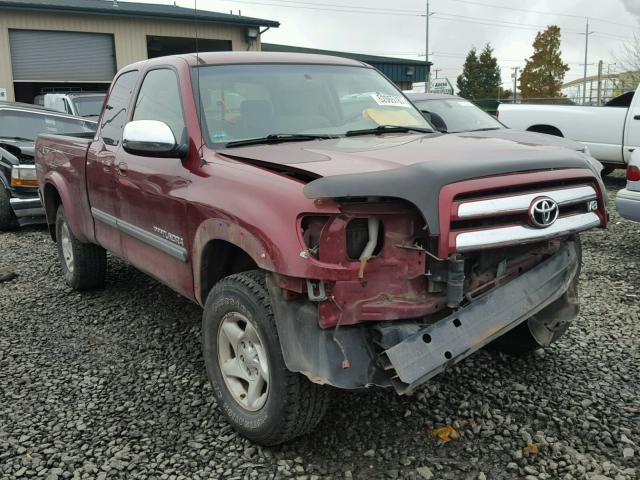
607 170
8 220
537 332
286 404
84 265
518 341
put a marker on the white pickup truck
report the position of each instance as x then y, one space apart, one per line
610 132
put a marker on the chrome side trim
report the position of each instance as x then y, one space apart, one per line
140 234
520 203
104 217
497 237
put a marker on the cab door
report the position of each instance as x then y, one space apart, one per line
101 159
632 128
152 190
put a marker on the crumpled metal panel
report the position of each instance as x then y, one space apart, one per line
434 348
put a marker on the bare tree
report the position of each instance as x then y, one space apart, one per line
629 61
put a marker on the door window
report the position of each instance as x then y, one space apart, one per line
115 114
159 99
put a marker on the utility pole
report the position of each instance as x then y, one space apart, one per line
599 83
427 79
437 70
586 50
515 81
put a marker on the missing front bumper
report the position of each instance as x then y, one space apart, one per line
406 360
432 349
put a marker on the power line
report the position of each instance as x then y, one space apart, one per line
488 22
409 12
342 9
505 22
415 13
382 10
540 12
520 26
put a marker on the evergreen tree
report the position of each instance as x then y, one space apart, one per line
544 72
480 76
470 75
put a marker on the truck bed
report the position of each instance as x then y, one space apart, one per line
599 128
62 160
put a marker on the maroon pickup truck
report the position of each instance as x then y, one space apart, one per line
331 236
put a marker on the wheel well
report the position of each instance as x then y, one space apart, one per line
221 259
548 129
52 201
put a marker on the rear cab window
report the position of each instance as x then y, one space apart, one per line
115 110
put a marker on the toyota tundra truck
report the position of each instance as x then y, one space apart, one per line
330 242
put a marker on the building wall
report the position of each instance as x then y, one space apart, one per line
129 34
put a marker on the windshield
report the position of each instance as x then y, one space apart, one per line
457 115
89 106
28 125
251 101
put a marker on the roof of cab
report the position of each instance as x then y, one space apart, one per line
244 58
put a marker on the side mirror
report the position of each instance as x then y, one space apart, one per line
151 138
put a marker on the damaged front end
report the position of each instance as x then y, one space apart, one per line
406 353
398 304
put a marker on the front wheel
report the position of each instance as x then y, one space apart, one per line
261 399
546 326
84 265
8 220
542 329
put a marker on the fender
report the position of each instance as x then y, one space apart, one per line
265 256
75 211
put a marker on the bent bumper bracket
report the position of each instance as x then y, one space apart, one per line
431 350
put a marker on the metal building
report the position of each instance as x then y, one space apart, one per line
71 45
401 71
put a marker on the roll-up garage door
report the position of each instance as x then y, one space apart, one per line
41 55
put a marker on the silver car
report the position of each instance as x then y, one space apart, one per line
456 115
628 199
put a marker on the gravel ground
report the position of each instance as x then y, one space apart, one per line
111 384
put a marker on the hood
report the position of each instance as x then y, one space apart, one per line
23 151
357 155
527 138
408 166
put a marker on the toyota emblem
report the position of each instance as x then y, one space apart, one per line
543 212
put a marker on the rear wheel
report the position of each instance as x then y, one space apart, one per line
607 170
84 265
8 220
261 399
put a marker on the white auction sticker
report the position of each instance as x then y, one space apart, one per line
391 100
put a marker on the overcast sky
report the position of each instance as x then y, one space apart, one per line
397 29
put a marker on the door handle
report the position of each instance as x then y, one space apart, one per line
122 168
636 117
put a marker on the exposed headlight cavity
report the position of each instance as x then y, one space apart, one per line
365 238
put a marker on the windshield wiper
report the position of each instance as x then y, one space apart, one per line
484 129
278 138
386 129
